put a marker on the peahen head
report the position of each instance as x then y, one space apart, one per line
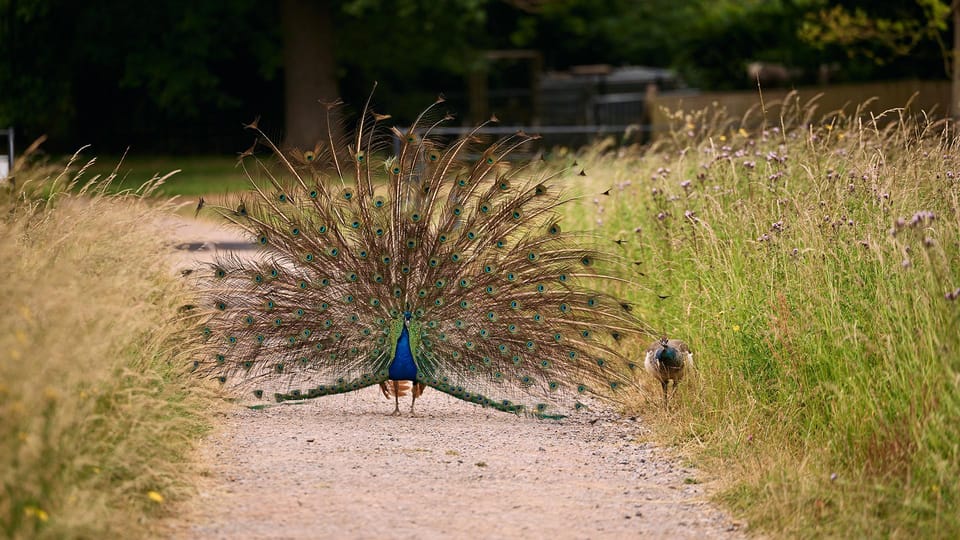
667 354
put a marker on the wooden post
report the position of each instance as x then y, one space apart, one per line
479 100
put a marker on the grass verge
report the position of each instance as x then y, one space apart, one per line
814 267
95 417
196 175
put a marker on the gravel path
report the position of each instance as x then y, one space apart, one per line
341 467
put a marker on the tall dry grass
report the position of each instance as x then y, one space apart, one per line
95 417
814 267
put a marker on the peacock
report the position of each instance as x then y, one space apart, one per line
668 360
399 258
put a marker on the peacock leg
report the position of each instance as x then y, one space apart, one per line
396 398
665 384
416 390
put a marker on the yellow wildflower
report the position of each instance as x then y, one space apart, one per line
742 132
38 513
736 328
723 138
155 496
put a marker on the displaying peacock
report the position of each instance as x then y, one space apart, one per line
390 256
668 360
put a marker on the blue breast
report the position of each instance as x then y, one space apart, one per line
402 368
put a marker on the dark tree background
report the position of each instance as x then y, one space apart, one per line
183 76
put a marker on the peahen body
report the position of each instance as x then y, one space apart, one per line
442 265
668 360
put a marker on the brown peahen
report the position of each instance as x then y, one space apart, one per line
668 360
443 265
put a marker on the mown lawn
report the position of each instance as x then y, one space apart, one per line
198 175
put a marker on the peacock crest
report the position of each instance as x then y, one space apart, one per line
442 264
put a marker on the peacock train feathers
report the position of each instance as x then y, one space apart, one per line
444 265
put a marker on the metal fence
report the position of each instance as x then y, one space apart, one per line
549 135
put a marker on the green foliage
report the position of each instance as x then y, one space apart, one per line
402 43
196 175
95 423
180 76
57 55
878 38
814 268
572 32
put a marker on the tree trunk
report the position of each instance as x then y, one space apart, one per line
309 70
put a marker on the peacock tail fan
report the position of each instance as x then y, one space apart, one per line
455 242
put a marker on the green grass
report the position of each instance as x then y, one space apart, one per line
198 175
826 397
96 419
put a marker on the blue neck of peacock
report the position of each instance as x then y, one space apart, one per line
402 368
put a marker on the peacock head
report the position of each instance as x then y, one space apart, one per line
407 315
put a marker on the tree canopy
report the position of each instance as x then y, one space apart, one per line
179 76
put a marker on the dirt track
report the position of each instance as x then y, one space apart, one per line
340 467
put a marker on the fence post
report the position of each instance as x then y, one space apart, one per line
6 160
